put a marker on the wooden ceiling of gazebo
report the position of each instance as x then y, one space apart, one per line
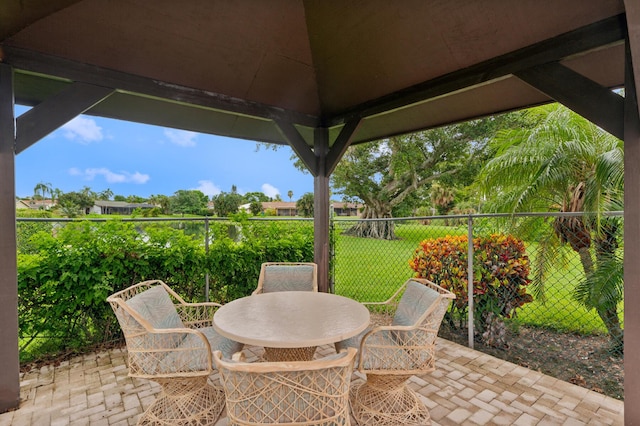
235 67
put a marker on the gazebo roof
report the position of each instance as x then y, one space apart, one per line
236 68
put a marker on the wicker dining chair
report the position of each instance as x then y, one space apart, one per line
287 276
401 343
310 393
170 341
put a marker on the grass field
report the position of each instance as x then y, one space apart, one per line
371 270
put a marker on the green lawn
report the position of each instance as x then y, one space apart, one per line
371 270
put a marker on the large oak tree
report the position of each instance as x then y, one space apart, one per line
387 173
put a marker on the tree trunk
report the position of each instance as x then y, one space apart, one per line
574 231
611 320
586 260
606 243
494 332
379 229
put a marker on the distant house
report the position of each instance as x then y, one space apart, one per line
43 204
282 208
288 208
116 207
22 204
345 209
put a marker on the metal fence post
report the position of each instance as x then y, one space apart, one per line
332 253
470 278
206 250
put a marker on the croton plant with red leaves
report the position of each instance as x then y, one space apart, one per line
500 271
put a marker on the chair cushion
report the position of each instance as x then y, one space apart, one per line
191 354
381 351
352 342
399 349
155 306
220 343
288 278
415 301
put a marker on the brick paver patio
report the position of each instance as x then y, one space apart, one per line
467 388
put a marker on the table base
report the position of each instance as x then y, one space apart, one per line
386 400
289 354
184 401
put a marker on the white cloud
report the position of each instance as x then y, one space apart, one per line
109 176
208 188
139 178
270 190
84 130
181 137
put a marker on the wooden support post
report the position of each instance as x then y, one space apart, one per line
9 357
632 218
321 161
321 208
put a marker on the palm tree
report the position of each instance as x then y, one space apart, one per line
442 198
305 205
41 190
55 194
105 195
565 164
290 194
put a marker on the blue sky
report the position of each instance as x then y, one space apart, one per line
136 159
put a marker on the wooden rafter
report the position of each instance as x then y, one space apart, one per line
54 112
606 32
586 97
343 141
123 82
299 145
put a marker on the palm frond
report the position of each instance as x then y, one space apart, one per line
604 287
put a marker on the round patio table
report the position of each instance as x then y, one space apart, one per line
291 324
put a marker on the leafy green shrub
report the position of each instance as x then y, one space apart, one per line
64 277
176 257
33 213
64 281
26 229
500 277
62 289
235 264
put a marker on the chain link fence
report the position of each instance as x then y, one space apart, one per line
529 274
530 281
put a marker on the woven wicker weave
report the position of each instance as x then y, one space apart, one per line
287 276
170 341
285 393
399 344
